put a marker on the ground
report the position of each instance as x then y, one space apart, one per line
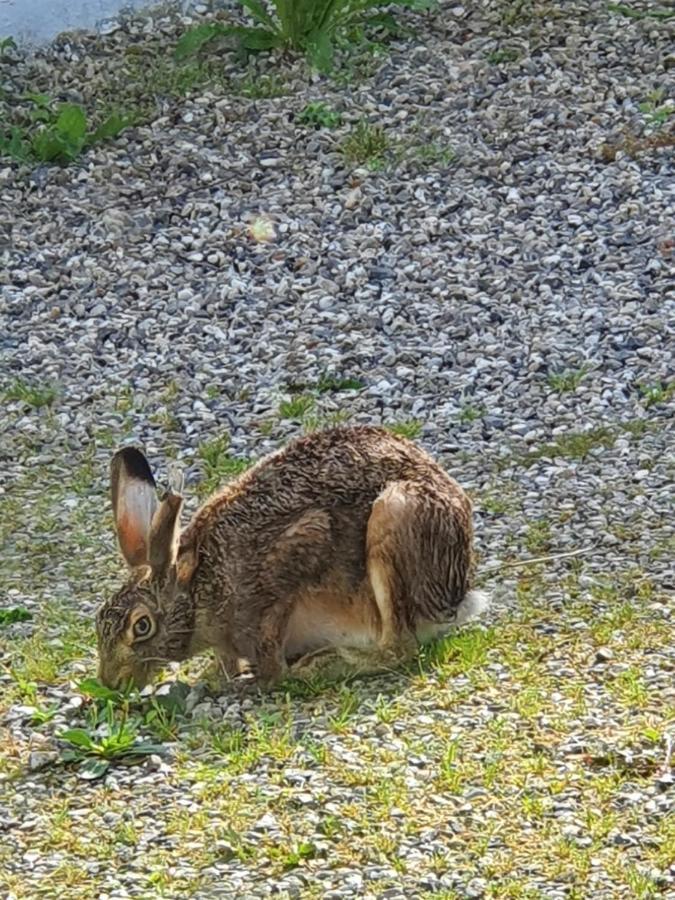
470 241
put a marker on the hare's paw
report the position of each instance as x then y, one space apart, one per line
244 684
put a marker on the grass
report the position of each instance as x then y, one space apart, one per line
503 55
508 762
366 144
495 720
297 407
319 115
56 133
218 464
567 382
408 428
655 394
576 445
630 12
34 395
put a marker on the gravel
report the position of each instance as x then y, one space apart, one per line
514 304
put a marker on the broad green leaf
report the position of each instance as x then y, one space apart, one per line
110 127
43 100
14 146
320 51
173 699
258 11
78 737
71 123
195 38
92 687
259 38
93 768
49 146
71 755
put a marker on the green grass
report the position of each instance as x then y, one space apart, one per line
655 394
319 115
366 144
297 407
218 464
469 414
409 428
576 444
34 395
568 381
491 717
503 55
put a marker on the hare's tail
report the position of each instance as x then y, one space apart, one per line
473 605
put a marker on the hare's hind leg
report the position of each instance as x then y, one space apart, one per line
418 558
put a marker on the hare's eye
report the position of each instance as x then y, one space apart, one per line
142 627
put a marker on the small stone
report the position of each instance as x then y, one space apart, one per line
40 759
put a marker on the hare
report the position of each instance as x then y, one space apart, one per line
347 548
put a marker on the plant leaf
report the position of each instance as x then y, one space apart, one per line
14 613
49 146
71 123
92 687
71 755
259 38
93 768
195 38
110 127
78 737
259 12
320 51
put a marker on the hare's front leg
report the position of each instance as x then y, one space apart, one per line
251 651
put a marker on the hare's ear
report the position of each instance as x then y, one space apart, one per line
165 533
134 500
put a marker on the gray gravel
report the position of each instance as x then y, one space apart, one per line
458 293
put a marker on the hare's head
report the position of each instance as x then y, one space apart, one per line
150 620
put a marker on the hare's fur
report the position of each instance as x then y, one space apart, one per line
347 547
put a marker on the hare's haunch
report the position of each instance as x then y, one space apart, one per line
347 547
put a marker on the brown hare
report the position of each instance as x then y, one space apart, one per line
347 548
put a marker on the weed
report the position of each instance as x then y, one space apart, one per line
652 394
468 414
95 754
315 421
42 716
451 777
538 536
629 688
297 407
434 154
348 704
58 133
293 857
366 144
632 13
568 381
218 464
575 445
503 55
411 429
306 26
7 43
13 615
319 115
331 383
656 112
259 87
36 396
